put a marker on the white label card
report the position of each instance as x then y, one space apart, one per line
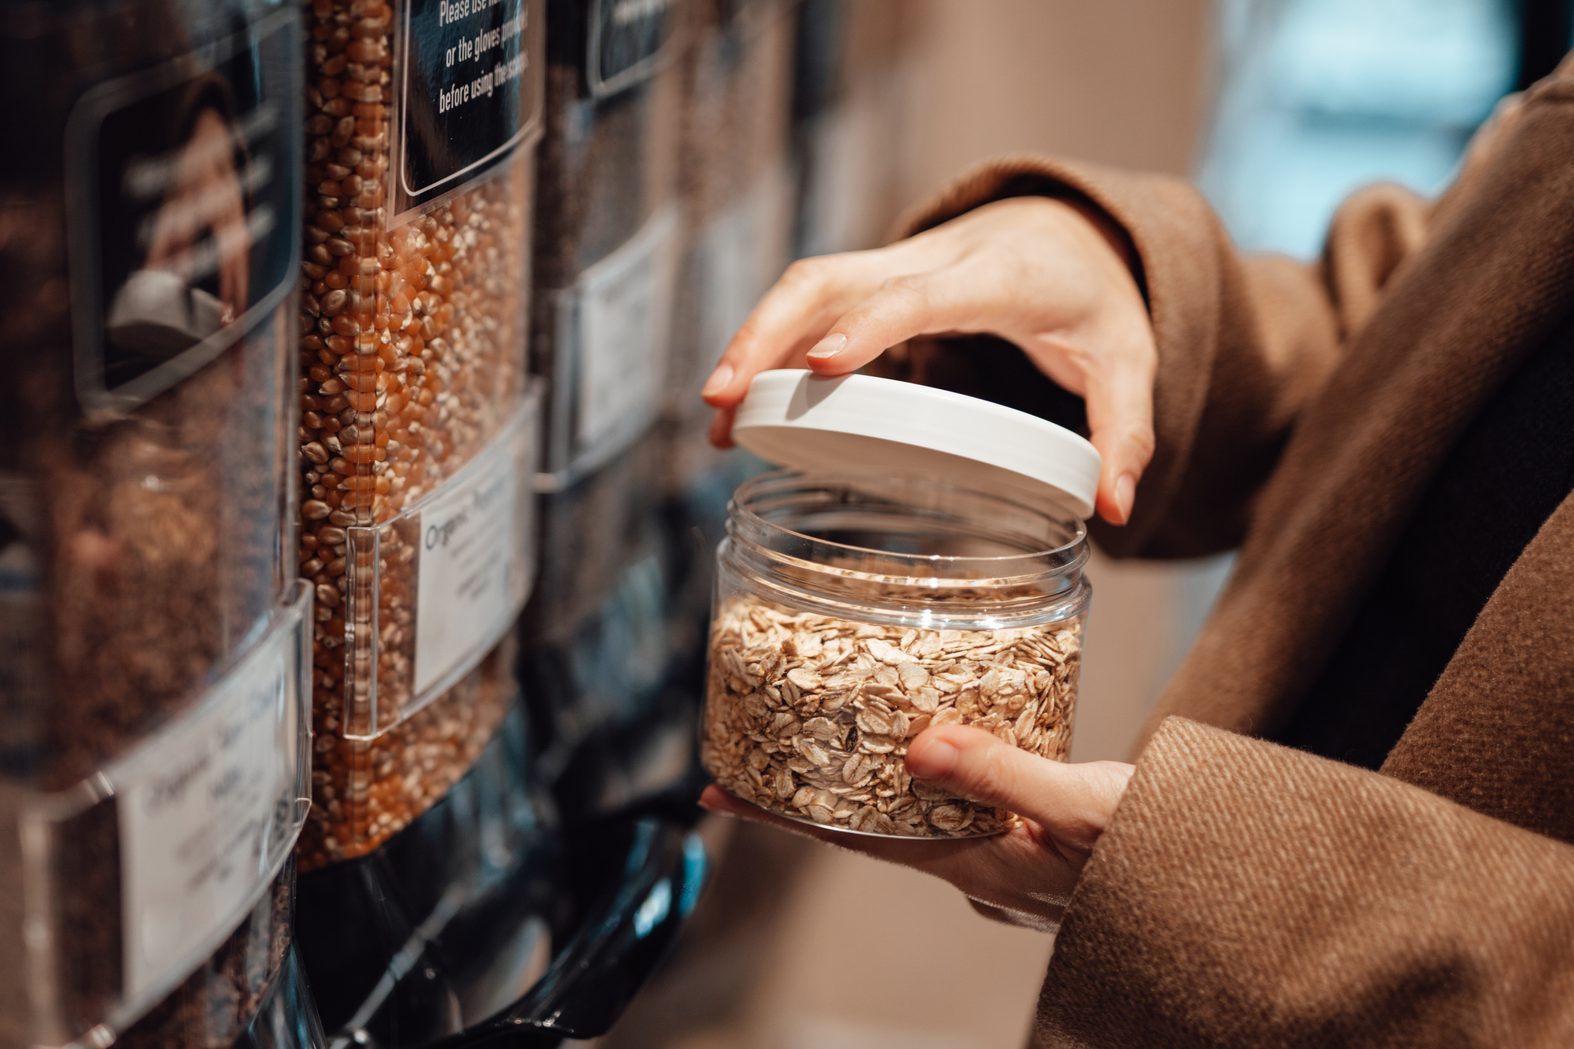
471 561
624 305
206 809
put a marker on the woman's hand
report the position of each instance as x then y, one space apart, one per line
1024 876
1048 275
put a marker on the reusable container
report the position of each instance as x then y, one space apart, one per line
921 565
418 434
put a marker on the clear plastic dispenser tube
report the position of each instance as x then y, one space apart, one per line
201 817
452 572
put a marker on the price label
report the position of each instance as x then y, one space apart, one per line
472 571
620 318
208 808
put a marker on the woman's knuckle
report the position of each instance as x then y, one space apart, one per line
906 297
1141 441
908 284
747 335
1078 357
990 778
804 273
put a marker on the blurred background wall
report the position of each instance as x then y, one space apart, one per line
1122 83
1278 109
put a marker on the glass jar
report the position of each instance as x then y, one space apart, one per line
852 612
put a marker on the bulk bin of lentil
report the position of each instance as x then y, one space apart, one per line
922 565
607 225
152 763
418 428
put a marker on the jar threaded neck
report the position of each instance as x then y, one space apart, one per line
913 550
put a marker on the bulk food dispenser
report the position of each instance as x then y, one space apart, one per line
153 771
416 450
417 425
607 251
439 904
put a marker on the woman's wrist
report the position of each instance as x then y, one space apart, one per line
1112 232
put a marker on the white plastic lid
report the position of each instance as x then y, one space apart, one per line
858 423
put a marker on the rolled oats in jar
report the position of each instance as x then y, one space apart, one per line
418 425
922 565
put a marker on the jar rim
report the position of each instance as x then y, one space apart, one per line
1007 569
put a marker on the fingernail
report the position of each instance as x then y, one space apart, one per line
933 760
1125 494
828 347
717 381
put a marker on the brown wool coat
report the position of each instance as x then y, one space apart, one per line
1247 894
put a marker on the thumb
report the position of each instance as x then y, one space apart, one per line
1073 803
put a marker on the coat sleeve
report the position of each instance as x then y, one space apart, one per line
1244 341
1249 895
